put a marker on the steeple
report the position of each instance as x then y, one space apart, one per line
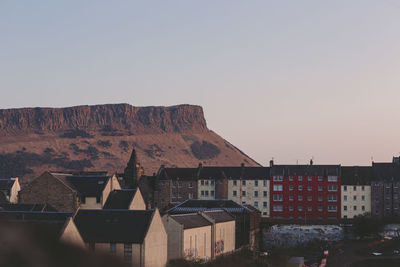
131 171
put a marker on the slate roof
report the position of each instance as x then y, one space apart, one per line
256 173
51 222
25 207
195 205
86 185
6 184
181 173
189 221
385 171
120 199
219 216
313 170
113 226
356 175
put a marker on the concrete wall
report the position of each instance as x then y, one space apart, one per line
111 185
250 197
71 234
156 243
224 237
138 202
196 243
175 237
14 191
137 255
348 201
206 189
90 204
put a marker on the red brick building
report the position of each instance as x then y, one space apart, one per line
305 193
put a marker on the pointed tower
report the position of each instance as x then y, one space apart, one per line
131 172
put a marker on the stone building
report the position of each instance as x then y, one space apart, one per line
69 191
355 190
136 236
10 188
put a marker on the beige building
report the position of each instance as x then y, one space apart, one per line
10 188
200 236
136 236
130 199
356 200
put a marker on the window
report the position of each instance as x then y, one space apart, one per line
255 183
319 198
332 187
113 248
291 187
202 182
363 208
234 183
319 178
256 204
264 213
244 183
98 199
212 182
83 200
212 193
320 188
128 252
278 187
309 178
278 178
290 198
202 193
255 193
332 208
206 192
309 208
243 193
332 178
206 182
395 196
345 208
354 197
362 188
290 208
190 195
179 184
290 178
173 184
278 208
300 187
190 185
344 198
265 182
300 198
278 197
354 188
355 207
264 193
309 188
344 188
300 178
180 195
234 193
332 198
265 204
320 208
309 198
300 208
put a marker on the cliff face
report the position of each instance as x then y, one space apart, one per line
123 118
102 137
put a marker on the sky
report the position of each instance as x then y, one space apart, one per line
288 80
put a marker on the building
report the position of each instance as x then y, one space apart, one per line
68 191
26 207
130 199
10 188
247 219
305 192
57 225
355 190
136 236
200 236
385 188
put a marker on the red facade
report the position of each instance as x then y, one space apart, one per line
305 197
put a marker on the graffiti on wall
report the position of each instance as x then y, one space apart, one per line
219 247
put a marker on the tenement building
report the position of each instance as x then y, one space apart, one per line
305 192
385 188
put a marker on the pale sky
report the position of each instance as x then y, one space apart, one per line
283 79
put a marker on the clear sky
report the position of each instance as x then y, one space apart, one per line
283 79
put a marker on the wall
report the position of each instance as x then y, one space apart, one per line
112 184
71 234
349 192
138 202
156 243
14 191
196 243
136 252
48 189
224 237
90 204
175 237
206 188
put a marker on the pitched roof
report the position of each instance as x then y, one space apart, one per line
113 226
52 222
385 171
219 216
120 199
356 175
26 207
90 185
6 184
256 173
313 170
181 173
195 205
189 221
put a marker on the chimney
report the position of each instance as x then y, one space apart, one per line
242 165
200 165
311 162
271 163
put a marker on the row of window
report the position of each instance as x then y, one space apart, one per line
300 208
279 187
330 198
265 204
265 183
179 195
354 198
354 208
354 188
244 193
179 184
207 182
279 178
207 193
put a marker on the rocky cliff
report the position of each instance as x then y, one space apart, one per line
101 137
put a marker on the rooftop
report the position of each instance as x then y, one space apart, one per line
120 199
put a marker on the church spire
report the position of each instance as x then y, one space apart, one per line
131 171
